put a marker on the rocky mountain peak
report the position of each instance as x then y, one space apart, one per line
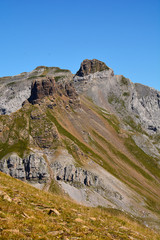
91 66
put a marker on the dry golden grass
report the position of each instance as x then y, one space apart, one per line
29 213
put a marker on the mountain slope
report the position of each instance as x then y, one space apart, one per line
98 156
26 212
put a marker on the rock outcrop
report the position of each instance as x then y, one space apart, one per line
91 66
14 90
48 87
32 168
42 88
80 178
74 175
74 99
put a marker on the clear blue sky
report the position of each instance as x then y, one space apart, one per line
125 34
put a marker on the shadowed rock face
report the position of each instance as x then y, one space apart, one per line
48 87
41 88
91 66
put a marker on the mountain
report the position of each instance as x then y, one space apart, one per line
94 136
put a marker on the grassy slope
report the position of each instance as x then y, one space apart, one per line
24 214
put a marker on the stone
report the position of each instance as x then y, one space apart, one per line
79 220
55 211
92 218
5 196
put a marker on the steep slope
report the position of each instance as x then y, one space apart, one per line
99 156
28 213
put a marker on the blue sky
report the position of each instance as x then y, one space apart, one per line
124 34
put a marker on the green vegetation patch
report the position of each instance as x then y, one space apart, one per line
46 70
57 78
126 94
11 84
33 77
123 157
55 188
72 149
136 127
119 103
124 81
149 162
20 148
113 121
59 70
64 132
81 145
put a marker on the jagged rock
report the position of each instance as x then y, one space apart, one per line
55 211
70 90
79 177
41 88
73 174
30 168
91 66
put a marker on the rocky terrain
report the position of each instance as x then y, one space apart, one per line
15 90
139 103
93 136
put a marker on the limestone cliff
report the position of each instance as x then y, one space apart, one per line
31 168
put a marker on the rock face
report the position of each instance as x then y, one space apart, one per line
133 102
16 89
70 91
48 87
33 168
91 66
74 175
41 88
80 177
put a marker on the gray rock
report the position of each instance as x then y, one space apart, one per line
80 177
119 94
31 168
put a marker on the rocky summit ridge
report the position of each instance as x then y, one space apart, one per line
94 136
